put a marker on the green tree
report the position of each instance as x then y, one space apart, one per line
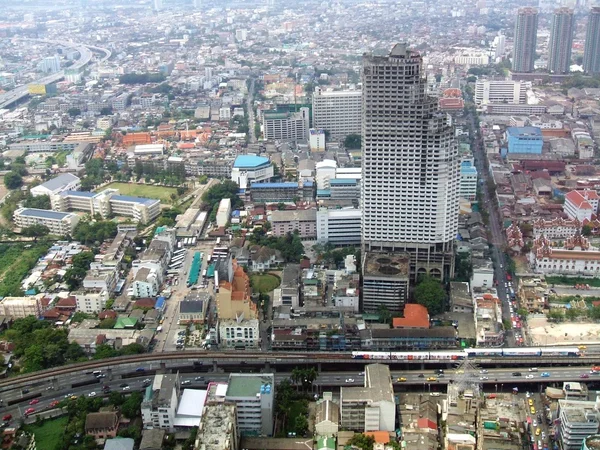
74 277
385 316
522 312
131 406
35 231
39 202
74 112
430 293
463 267
353 141
301 425
362 441
572 313
12 180
586 230
555 315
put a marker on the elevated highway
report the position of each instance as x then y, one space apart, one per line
85 52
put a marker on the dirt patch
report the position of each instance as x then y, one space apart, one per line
545 333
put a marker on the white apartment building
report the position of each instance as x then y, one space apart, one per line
64 182
507 109
254 396
316 140
159 406
578 420
145 284
325 171
411 178
501 91
91 303
107 202
20 307
372 407
483 274
339 226
472 59
557 228
239 334
224 212
58 222
468 180
99 280
338 112
279 126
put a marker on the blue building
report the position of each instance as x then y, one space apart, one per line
248 169
525 140
468 180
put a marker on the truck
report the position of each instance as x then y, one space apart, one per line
596 369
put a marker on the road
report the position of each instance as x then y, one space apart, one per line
250 111
498 379
497 240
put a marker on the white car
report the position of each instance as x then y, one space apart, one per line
534 423
349 380
529 377
527 394
483 378
92 394
483 371
126 388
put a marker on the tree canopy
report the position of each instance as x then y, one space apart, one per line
12 180
430 293
39 202
35 231
89 232
353 141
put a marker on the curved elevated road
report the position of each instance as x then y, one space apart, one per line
10 97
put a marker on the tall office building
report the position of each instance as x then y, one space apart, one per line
561 41
591 54
338 112
525 40
158 5
410 172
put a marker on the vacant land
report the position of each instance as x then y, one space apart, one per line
545 333
16 260
144 190
49 434
264 283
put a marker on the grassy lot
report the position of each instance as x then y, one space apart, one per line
572 281
15 262
264 283
143 190
49 434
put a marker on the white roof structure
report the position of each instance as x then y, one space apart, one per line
190 408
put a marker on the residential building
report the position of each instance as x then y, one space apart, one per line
338 112
483 273
511 109
224 212
91 303
339 227
461 300
525 40
274 192
415 210
120 443
145 283
344 189
102 425
385 281
561 41
239 334
501 91
218 427
577 420
325 171
288 292
305 221
61 183
286 126
591 53
57 222
316 140
327 418
248 169
159 406
372 407
472 59
488 319
254 396
152 439
468 180
20 307
532 294
101 280
581 205
524 140
143 210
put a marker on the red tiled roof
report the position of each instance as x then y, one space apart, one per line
381 437
578 200
424 422
108 314
69 302
415 316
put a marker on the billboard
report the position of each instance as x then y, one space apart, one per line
37 89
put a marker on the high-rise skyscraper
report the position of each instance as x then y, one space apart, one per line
158 5
591 54
561 41
411 176
525 40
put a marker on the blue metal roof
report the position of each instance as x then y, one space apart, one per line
308 184
274 185
78 194
524 131
323 193
141 200
44 213
160 303
250 161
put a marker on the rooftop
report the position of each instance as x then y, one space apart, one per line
250 161
129 199
85 194
524 131
274 185
218 422
43 213
387 264
415 316
248 385
60 181
378 386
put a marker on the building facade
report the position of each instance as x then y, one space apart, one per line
248 169
591 54
286 126
578 420
91 303
254 396
525 140
561 41
20 307
64 182
525 40
57 222
339 226
501 91
411 166
234 334
338 112
305 221
468 180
